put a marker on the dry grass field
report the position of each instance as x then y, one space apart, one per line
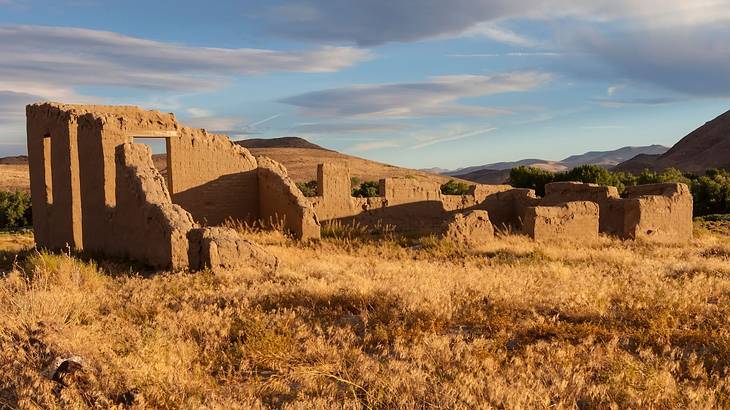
354 323
14 177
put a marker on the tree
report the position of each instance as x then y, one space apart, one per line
454 188
530 177
15 210
309 189
367 189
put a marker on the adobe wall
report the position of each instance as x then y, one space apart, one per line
334 192
281 202
611 219
213 178
658 212
576 220
145 224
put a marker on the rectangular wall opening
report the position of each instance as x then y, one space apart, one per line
159 146
47 169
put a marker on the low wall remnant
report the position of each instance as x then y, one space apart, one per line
570 220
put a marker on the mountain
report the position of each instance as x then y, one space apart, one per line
282 142
706 147
17 160
498 173
537 163
637 164
612 158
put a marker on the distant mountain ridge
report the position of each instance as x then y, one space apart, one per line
498 172
706 147
281 142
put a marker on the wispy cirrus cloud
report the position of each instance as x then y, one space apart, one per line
452 136
374 145
346 128
438 96
75 57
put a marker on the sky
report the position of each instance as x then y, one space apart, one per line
417 83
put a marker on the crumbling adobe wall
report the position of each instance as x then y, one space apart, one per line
217 247
334 192
507 208
471 228
213 178
281 202
576 220
412 205
146 225
658 212
611 213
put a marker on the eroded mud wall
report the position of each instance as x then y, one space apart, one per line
213 178
611 213
282 203
659 212
145 224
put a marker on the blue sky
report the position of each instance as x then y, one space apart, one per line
417 83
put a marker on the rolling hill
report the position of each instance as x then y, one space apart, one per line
706 147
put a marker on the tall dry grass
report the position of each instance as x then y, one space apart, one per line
360 323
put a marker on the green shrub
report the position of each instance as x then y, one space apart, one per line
309 189
367 189
454 188
15 210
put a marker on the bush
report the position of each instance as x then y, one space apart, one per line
309 189
15 210
454 188
367 189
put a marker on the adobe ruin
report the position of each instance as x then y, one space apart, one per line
95 190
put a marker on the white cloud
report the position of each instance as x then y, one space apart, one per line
436 97
452 137
346 128
512 54
500 35
372 146
67 57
